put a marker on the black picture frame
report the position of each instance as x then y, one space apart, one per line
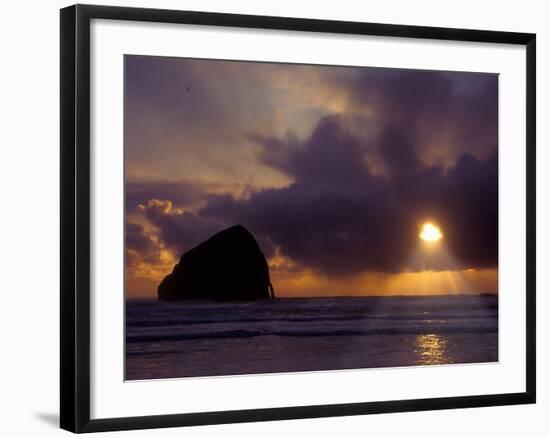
75 217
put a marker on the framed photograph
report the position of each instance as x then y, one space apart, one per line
269 218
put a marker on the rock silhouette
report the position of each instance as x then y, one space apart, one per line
229 266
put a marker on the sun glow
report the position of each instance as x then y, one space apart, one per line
430 232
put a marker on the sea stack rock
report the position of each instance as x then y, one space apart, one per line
229 266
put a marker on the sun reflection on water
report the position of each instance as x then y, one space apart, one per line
432 350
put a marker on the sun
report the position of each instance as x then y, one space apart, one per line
430 232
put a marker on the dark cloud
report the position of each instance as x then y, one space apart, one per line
440 113
331 156
398 152
342 223
140 245
181 193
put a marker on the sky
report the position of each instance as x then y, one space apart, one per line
333 169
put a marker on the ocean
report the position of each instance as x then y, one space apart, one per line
199 338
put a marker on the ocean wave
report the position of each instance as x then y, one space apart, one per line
243 333
301 319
